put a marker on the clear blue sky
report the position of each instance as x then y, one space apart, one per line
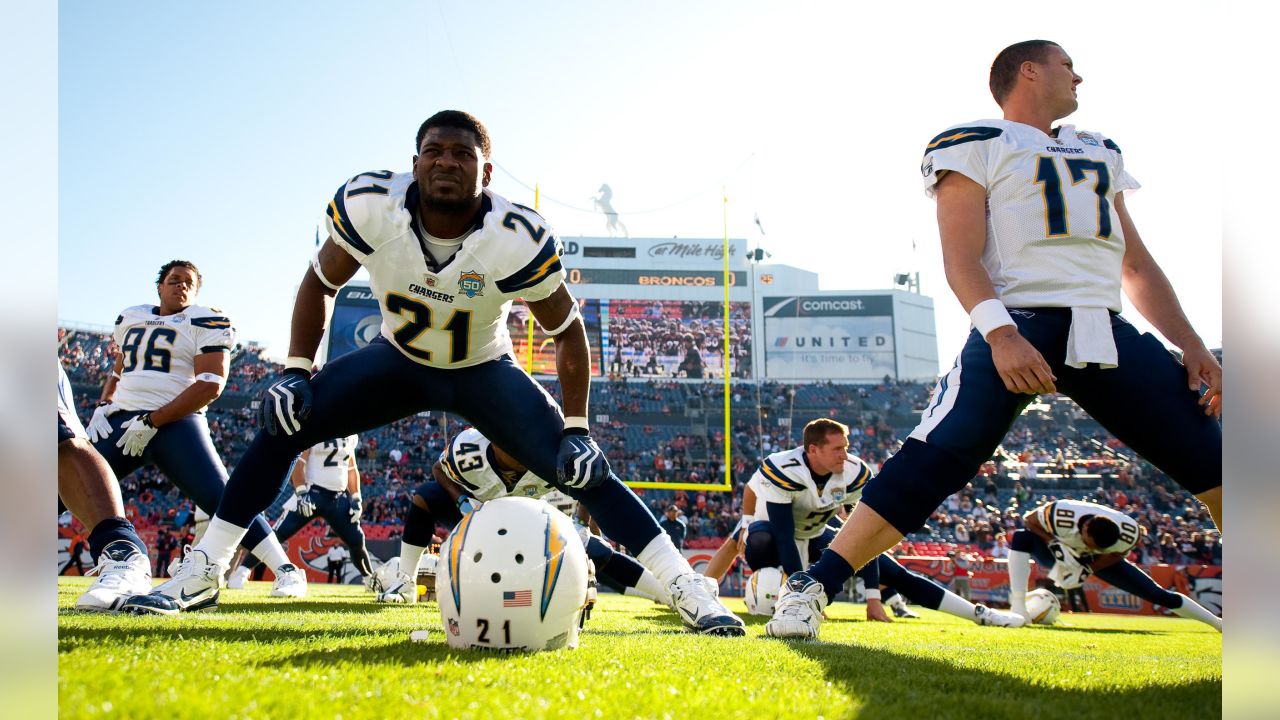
218 132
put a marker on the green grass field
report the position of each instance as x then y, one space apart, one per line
338 654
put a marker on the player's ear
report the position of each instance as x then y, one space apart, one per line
488 174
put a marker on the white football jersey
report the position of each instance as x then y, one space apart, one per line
785 477
1062 519
454 315
468 461
159 351
1053 235
329 462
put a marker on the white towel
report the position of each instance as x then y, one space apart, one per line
1090 339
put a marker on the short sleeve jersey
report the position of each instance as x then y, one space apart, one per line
451 315
785 478
329 463
1064 519
159 351
468 461
1053 235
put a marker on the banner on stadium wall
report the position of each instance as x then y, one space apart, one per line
356 321
989 584
837 337
674 338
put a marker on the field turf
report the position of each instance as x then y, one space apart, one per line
337 654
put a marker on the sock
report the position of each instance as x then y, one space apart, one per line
661 558
410 556
111 530
419 527
1195 611
270 552
220 541
953 604
1019 574
648 586
832 571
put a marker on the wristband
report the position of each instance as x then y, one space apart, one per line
294 362
301 489
747 520
575 422
989 315
869 594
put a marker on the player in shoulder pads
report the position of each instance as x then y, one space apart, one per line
1038 246
1076 539
472 471
89 489
446 258
326 484
172 365
803 489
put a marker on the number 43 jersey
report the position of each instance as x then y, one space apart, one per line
451 315
1053 235
468 461
158 351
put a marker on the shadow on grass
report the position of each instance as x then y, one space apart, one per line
897 686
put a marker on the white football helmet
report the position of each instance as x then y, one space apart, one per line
763 589
512 576
1043 607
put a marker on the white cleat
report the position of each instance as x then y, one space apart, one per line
798 611
899 606
984 615
122 573
193 587
402 590
238 578
700 610
384 577
290 582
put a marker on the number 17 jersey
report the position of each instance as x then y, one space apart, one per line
1053 235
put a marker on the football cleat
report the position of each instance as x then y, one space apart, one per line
193 587
238 578
798 611
290 582
700 610
384 577
122 573
984 615
899 606
400 590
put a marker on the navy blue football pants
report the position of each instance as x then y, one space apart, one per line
1144 402
377 385
1123 575
335 509
182 451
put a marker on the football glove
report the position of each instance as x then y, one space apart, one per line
137 433
580 464
306 506
100 425
287 402
1068 572
356 507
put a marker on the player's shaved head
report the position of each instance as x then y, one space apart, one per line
459 120
1005 68
817 431
1103 531
164 270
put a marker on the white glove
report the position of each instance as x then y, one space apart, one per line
1068 572
306 506
99 425
137 433
355 507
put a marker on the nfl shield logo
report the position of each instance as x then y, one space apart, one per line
453 627
429 280
471 283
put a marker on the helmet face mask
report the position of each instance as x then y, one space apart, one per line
512 576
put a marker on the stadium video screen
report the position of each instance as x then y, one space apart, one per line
674 338
544 348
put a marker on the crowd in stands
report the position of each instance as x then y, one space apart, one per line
1053 452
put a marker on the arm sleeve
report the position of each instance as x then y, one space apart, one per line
958 149
784 536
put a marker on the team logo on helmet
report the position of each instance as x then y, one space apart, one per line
471 283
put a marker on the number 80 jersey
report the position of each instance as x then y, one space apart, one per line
1053 235
452 315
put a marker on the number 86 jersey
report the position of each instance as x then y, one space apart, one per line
158 351
454 314
1053 235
